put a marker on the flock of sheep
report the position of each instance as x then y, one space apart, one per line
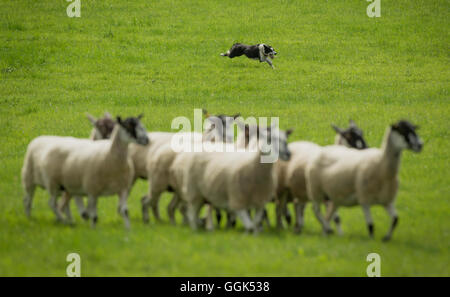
120 151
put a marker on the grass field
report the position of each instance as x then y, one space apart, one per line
162 58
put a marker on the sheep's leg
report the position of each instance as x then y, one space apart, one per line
393 214
154 201
64 206
280 209
183 210
68 214
332 214
259 216
368 216
299 216
28 199
80 206
92 210
279 213
231 220
123 208
209 218
337 221
265 218
218 216
192 210
244 215
53 205
145 201
320 218
172 207
151 200
287 214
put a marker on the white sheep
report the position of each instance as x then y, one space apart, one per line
291 174
102 129
348 177
236 181
83 167
138 154
218 131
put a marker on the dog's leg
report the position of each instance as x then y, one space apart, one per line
225 54
270 63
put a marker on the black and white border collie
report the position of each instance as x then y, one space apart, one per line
261 52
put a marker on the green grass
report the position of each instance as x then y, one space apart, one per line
162 58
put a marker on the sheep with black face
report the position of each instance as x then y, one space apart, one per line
235 181
347 177
218 130
291 175
83 167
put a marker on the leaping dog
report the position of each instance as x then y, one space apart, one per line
261 52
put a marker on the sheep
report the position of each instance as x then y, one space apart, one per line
291 174
248 132
237 181
83 167
349 177
158 163
102 129
138 154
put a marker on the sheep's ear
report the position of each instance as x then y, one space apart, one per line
205 113
119 120
140 116
91 119
337 129
289 132
107 115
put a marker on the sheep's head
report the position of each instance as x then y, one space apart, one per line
219 127
273 143
350 137
247 133
134 130
405 136
103 127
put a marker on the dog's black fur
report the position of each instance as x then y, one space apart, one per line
261 52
